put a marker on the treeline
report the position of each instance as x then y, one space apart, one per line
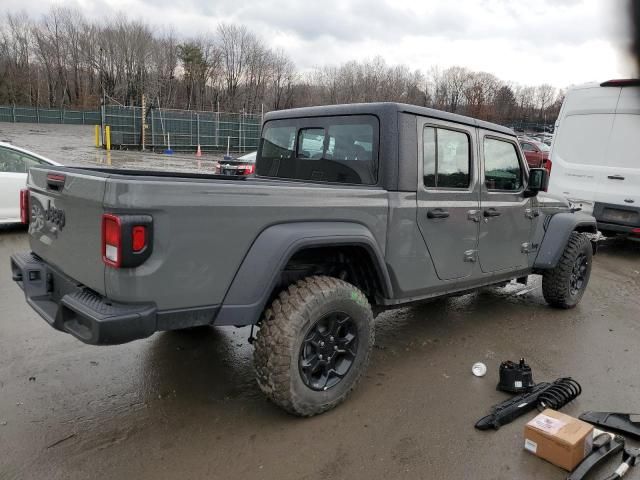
63 59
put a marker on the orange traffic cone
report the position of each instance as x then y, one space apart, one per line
198 152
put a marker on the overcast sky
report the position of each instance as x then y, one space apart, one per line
561 42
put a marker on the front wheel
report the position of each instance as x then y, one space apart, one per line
314 345
564 285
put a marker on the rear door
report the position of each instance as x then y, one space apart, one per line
448 196
618 178
506 215
66 222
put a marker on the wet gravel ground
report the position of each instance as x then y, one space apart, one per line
73 145
185 405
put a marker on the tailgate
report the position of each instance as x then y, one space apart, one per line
65 221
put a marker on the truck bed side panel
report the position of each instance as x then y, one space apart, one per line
204 229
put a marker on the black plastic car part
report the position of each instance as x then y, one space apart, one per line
620 422
605 446
515 377
543 395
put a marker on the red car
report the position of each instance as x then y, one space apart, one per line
536 153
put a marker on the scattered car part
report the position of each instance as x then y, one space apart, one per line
561 392
479 369
605 446
629 459
616 421
509 410
543 395
515 377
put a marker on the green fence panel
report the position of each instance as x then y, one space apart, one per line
17 114
183 129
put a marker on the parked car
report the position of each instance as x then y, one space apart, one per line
14 165
395 205
244 165
595 154
536 153
545 138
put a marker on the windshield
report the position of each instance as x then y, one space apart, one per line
249 157
324 149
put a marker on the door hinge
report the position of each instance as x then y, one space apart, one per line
530 213
471 256
473 215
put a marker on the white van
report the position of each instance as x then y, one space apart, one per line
595 154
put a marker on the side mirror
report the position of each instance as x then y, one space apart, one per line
538 182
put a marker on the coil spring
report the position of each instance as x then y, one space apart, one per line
561 392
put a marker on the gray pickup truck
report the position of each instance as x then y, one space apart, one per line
353 209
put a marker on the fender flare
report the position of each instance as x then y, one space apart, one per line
557 233
259 272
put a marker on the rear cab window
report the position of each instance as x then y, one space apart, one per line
338 149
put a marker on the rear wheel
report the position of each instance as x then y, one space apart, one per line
564 285
313 345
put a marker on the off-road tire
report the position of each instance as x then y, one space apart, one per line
556 282
282 331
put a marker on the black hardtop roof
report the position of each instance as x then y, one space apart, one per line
382 109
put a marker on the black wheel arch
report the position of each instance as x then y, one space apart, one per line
261 272
557 232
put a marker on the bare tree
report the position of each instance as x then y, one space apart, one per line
235 43
63 59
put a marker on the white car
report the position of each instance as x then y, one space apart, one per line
14 165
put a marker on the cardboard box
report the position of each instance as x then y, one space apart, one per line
558 438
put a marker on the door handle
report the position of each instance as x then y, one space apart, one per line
492 212
437 213
615 177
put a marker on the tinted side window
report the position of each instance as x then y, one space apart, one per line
340 149
310 143
502 169
429 156
278 142
11 161
446 158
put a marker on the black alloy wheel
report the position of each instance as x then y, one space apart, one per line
578 274
328 351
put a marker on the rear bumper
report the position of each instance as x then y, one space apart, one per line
74 309
602 212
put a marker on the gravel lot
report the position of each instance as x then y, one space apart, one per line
185 405
73 145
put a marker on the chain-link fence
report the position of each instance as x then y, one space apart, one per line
182 129
49 115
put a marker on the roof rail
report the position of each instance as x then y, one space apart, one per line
622 82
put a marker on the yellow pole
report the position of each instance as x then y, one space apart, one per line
107 132
97 136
